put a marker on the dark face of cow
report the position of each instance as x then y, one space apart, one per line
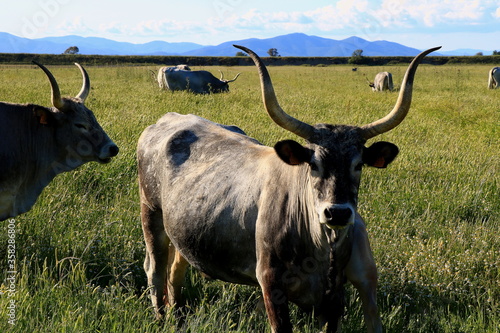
336 155
220 85
79 136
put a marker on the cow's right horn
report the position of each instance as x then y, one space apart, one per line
84 92
57 101
273 108
400 110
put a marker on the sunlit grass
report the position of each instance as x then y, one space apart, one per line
433 215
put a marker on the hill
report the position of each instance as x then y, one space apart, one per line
89 45
291 45
301 45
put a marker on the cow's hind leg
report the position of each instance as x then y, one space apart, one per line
361 271
155 263
175 277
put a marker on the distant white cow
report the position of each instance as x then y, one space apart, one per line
198 82
383 81
494 78
162 78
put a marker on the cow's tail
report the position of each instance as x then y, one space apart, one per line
491 80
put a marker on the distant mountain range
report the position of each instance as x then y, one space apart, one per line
291 45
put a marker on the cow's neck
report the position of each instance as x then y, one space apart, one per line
300 206
35 162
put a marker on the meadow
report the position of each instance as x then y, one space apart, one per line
433 215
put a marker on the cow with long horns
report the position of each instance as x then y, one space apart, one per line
198 82
37 143
284 218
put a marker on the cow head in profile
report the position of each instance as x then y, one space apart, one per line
79 135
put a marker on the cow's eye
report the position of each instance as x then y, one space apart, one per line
81 126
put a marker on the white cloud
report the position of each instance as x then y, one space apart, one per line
367 19
75 25
497 13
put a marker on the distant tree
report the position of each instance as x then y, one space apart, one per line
357 53
273 52
357 57
241 54
496 52
72 50
479 53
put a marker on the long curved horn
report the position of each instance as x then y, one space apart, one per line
84 92
227 81
57 101
400 110
273 108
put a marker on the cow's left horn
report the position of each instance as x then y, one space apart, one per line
273 108
57 101
227 81
400 110
84 92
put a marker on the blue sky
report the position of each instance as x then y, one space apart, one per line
421 24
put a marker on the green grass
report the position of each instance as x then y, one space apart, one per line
433 216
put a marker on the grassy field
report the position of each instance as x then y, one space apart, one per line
433 216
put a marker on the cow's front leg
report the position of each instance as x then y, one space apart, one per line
275 298
361 271
155 263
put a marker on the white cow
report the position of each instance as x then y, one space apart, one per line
383 81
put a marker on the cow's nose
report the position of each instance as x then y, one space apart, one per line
113 150
338 216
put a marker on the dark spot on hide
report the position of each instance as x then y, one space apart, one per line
233 128
179 147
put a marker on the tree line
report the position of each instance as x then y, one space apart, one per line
241 60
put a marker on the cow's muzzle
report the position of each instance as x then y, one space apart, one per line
338 216
107 152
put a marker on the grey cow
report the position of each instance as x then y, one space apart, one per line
37 143
281 218
199 82
382 82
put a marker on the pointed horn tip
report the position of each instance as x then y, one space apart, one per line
247 50
426 52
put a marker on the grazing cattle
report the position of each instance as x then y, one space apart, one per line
199 82
37 143
383 81
494 78
281 218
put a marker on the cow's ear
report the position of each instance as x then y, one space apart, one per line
44 116
380 154
292 152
